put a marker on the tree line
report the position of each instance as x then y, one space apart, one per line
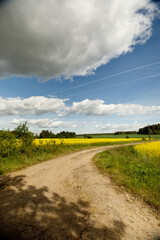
154 129
125 132
20 141
22 130
50 134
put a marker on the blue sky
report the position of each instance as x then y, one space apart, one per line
99 78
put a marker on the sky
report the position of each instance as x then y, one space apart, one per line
89 66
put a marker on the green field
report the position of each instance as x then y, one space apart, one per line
156 136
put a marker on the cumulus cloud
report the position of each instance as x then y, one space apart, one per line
38 105
99 108
43 123
53 38
98 127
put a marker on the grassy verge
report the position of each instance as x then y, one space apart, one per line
22 160
36 154
138 174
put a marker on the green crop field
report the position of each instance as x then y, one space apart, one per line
156 136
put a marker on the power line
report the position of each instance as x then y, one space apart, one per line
110 76
116 84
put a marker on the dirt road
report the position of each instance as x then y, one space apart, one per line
67 198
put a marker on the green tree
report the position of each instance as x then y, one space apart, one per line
46 134
67 134
25 137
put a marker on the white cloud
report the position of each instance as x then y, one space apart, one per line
44 123
98 108
110 127
41 105
38 105
51 38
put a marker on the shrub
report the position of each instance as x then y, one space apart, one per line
8 143
25 137
143 139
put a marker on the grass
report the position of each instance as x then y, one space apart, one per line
138 174
19 161
36 154
156 136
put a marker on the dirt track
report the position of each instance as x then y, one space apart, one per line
67 198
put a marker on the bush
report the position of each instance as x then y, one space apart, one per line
6 134
25 137
8 143
143 139
87 136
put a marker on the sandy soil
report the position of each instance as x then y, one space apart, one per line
67 198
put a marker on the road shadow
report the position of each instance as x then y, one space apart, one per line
30 213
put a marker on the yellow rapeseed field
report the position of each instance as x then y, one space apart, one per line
151 149
74 141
